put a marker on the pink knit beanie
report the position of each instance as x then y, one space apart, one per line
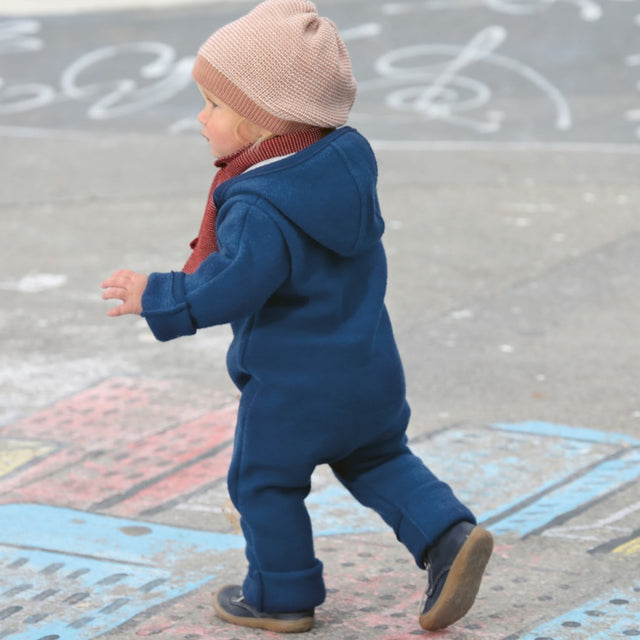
281 66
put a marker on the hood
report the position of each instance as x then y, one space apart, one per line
328 190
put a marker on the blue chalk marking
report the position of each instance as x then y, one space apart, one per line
101 570
601 480
588 470
568 433
117 539
560 496
336 512
616 615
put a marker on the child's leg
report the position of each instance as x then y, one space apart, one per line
268 482
387 477
283 574
439 531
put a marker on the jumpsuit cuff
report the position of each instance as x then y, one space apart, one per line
285 592
165 308
444 512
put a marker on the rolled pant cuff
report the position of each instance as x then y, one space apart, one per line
285 592
442 515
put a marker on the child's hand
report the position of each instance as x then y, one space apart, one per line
127 286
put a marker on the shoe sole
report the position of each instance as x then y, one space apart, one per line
269 624
463 582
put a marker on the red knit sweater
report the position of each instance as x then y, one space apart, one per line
234 165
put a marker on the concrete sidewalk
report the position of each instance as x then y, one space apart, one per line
518 330
515 296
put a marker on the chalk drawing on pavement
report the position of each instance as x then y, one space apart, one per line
596 464
528 479
89 558
456 88
17 453
620 537
110 461
612 615
631 547
34 282
633 115
426 82
18 36
589 11
74 575
116 97
158 76
103 464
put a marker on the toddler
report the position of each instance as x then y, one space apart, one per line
289 252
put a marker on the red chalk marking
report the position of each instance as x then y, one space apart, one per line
33 478
113 477
211 432
171 488
117 440
116 411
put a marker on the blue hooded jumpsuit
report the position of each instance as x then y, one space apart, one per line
301 276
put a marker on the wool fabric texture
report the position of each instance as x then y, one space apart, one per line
281 66
301 276
233 165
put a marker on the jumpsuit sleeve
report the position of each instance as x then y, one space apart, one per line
232 283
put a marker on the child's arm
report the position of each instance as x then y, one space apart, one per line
236 281
127 286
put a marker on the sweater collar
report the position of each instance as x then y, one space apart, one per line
239 161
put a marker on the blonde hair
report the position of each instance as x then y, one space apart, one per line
266 135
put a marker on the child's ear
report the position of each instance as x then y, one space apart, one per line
252 132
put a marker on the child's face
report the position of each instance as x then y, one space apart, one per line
225 130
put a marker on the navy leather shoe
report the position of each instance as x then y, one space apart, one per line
231 606
455 566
